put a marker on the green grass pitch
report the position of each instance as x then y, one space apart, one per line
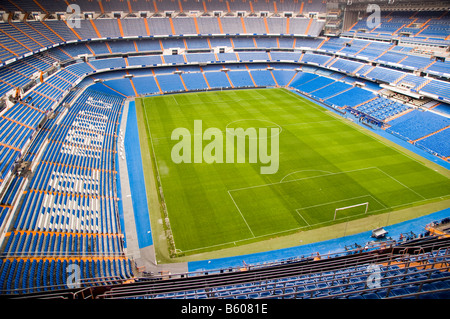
324 164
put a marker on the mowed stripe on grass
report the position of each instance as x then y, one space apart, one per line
322 160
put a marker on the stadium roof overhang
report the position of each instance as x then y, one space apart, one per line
402 91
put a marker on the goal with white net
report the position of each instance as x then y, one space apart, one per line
341 209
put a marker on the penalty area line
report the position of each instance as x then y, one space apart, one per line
237 207
339 201
302 217
300 179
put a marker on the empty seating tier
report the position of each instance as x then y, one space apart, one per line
64 89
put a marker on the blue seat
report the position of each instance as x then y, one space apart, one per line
370 295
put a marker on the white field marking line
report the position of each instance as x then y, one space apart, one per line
144 106
308 102
306 170
173 98
312 122
364 131
381 209
300 179
338 219
422 200
201 134
361 130
378 139
400 182
271 234
289 124
261 120
232 100
241 214
298 228
338 201
220 101
302 217
249 238
343 200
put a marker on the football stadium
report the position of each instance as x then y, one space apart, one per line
224 149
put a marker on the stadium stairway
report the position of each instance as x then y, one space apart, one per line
67 214
414 267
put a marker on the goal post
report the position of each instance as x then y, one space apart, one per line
349 207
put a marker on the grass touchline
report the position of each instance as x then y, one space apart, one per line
324 163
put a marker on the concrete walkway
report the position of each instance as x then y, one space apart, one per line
142 254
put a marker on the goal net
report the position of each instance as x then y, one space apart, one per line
349 210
